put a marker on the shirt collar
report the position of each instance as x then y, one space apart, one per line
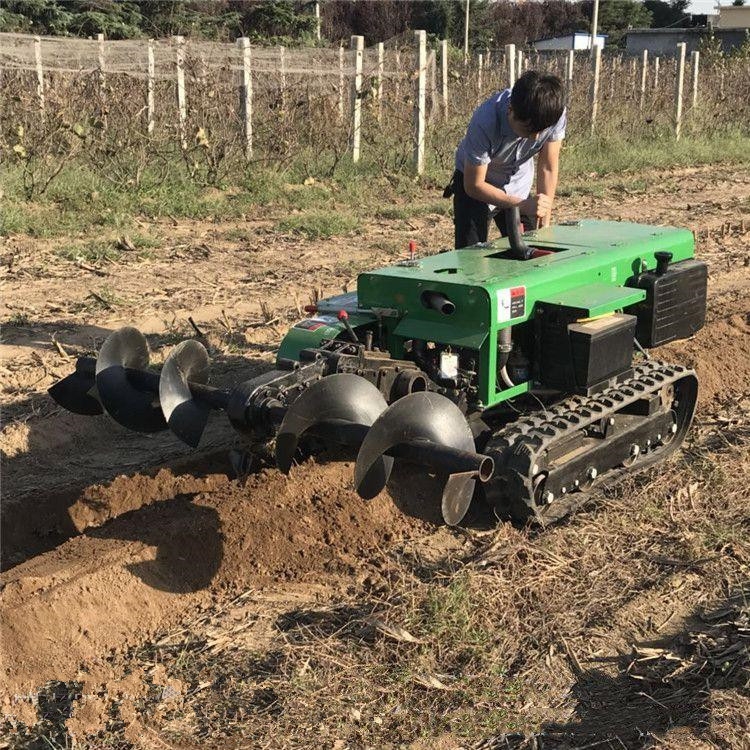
505 129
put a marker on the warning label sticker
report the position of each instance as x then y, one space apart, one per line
511 303
312 324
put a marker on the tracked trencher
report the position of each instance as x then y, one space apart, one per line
518 370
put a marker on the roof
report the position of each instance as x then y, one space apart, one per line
675 32
565 36
688 30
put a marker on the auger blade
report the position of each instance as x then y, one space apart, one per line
186 416
132 408
412 426
337 403
77 391
457 495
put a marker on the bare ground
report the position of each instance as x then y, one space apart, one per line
151 600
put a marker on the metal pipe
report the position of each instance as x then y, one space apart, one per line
443 459
148 382
504 346
438 301
437 457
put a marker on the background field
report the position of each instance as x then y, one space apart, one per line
151 599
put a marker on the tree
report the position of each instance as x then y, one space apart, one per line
617 16
668 14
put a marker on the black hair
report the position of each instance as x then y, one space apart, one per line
538 100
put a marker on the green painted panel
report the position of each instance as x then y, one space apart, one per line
597 299
445 333
491 291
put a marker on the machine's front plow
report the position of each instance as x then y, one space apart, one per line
311 398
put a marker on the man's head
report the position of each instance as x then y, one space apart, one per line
537 102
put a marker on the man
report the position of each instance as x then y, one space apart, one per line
495 159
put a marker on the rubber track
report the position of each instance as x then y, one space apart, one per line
519 446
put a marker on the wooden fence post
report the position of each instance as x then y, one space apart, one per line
102 76
181 101
444 75
644 72
510 59
656 72
519 64
431 58
480 65
341 82
569 72
594 94
39 74
150 73
420 37
358 45
246 96
398 74
679 81
379 85
695 60
282 74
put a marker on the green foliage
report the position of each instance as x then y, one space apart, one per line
267 21
673 14
118 20
617 16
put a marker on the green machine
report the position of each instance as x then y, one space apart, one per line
519 370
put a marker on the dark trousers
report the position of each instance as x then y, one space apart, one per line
471 218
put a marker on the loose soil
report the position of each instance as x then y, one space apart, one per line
113 542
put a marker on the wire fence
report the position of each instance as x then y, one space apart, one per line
129 106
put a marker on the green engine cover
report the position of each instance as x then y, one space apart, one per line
588 269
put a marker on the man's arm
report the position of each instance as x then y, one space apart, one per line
476 186
547 170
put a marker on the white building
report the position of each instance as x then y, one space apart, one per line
577 40
733 17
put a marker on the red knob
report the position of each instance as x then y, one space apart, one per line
343 315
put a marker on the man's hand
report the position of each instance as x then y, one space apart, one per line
538 208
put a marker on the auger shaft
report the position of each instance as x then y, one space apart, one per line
439 458
148 381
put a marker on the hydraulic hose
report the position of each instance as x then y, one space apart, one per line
519 249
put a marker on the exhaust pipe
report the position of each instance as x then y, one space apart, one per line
438 301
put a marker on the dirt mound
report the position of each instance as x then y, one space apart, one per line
720 354
145 571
